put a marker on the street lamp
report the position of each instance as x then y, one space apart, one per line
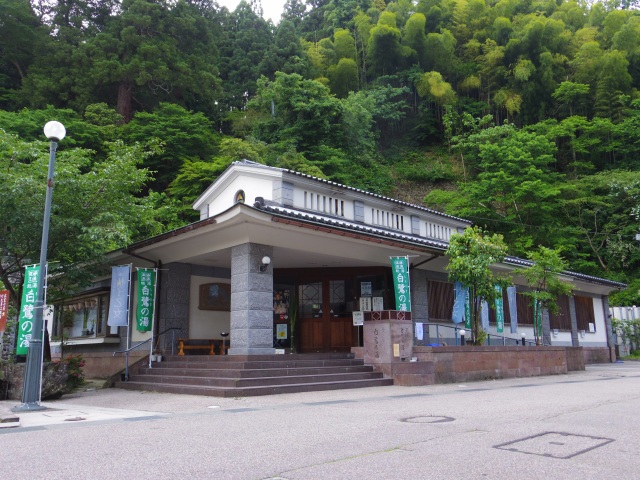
55 132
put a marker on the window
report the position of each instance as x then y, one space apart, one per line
440 297
561 320
584 313
84 317
525 309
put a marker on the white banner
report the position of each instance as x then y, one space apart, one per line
119 301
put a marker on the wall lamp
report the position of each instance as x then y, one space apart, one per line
265 263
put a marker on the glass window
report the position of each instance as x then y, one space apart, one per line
85 317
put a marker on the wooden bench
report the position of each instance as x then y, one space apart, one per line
208 345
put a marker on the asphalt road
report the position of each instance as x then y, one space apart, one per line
582 425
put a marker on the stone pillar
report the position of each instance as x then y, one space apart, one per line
388 339
174 293
607 322
419 303
251 301
574 322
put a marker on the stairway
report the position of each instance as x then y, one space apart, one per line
250 375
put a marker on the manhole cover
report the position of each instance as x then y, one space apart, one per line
428 419
555 444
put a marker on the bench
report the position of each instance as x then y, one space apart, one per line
207 346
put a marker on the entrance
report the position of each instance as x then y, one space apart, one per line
326 321
326 299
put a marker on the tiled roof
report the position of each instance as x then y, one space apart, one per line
338 223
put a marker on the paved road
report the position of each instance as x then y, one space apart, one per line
583 425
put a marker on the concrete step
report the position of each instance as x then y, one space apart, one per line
253 382
160 369
255 390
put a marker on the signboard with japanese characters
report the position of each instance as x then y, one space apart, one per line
358 319
146 299
4 309
119 301
400 273
27 309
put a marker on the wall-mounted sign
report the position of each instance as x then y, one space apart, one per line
366 289
365 304
215 296
378 304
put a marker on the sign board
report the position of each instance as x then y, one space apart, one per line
358 319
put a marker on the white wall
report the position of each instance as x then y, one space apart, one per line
206 323
252 186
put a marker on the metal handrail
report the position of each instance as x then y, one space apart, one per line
489 335
126 352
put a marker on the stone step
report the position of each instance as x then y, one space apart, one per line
160 369
255 390
257 364
253 382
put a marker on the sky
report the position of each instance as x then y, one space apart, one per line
272 8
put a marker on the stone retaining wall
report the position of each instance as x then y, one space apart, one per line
470 363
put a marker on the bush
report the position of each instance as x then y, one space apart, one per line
73 367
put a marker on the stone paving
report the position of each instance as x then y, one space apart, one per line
583 424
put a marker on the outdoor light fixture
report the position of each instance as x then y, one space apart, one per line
523 335
462 340
31 390
265 263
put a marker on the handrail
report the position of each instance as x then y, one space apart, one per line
126 352
489 335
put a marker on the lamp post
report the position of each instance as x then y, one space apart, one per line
524 336
55 132
462 340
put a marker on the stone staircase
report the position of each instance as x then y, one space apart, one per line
250 375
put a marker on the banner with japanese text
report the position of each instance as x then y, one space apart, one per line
513 309
467 312
27 309
499 310
4 309
145 299
460 293
400 272
119 298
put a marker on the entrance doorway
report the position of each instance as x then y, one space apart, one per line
326 299
326 321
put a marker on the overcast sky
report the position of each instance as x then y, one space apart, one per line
272 8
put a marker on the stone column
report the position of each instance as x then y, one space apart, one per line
251 301
174 293
607 322
574 322
546 328
419 303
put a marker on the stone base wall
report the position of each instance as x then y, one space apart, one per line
104 364
470 363
598 355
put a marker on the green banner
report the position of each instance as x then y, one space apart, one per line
145 299
537 319
467 311
27 309
400 272
499 310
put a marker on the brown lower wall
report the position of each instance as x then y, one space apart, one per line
470 363
598 355
105 365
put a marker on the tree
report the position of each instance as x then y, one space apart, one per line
471 254
543 278
95 210
186 135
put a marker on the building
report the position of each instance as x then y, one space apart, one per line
270 238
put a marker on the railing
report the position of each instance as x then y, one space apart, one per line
502 339
157 337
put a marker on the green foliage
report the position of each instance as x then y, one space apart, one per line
73 365
470 255
546 286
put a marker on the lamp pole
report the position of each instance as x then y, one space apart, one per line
31 390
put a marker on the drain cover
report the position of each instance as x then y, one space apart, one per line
555 444
428 419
